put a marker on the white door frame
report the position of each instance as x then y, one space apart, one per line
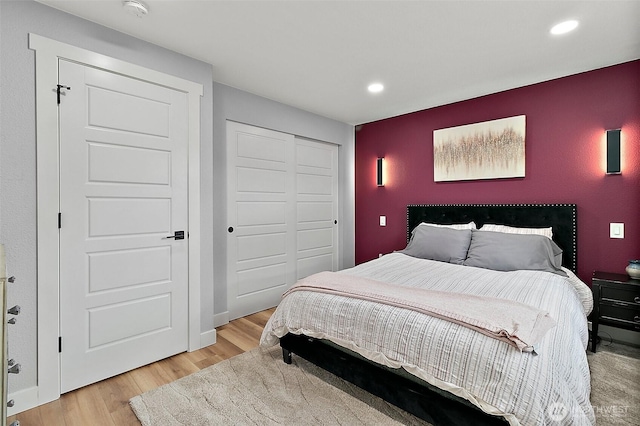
48 52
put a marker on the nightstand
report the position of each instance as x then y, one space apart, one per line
616 303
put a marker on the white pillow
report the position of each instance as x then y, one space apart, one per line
547 232
470 225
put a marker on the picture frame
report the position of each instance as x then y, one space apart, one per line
488 150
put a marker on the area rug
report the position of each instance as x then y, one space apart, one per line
258 388
615 387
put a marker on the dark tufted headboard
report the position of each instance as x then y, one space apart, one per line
561 217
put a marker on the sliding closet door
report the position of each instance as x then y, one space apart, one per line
261 218
316 207
282 210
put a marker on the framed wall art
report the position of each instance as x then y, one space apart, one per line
488 150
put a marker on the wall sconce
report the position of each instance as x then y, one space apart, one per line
379 176
613 152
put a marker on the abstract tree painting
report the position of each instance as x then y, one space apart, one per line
489 150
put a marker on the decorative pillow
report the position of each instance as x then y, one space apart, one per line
510 252
470 225
547 232
439 243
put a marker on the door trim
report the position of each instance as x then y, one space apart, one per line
47 54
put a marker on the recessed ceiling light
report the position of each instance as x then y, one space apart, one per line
564 27
375 87
135 8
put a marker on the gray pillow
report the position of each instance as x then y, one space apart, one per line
511 252
436 243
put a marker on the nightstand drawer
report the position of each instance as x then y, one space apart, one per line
624 313
616 303
622 294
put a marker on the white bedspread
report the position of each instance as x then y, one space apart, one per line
526 389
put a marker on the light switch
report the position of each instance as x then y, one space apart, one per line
616 230
383 221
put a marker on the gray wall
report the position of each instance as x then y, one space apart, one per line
236 105
18 149
219 103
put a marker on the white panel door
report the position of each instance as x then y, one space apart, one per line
123 191
260 218
316 207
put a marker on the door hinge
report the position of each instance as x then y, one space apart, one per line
60 345
59 220
58 91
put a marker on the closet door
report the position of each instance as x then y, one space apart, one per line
316 207
261 239
282 209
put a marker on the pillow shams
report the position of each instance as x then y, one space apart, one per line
438 243
511 252
547 232
470 225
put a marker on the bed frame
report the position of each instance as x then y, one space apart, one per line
398 387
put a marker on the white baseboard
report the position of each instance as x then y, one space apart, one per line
24 400
27 399
207 338
221 319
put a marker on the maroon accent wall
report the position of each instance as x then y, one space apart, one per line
565 154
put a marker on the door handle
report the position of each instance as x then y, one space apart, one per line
178 235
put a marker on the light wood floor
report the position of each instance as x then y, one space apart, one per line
107 402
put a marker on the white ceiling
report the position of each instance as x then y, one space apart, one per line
321 55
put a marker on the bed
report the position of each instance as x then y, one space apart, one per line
441 371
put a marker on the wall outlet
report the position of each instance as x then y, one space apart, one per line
383 221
